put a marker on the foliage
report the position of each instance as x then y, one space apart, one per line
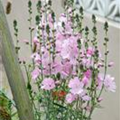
7 107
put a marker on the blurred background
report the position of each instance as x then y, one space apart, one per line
105 10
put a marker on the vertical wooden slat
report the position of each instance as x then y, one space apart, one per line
13 70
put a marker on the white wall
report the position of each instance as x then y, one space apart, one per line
111 101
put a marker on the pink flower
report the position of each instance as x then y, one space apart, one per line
36 41
70 98
58 45
85 80
111 64
90 51
66 69
68 27
76 87
50 19
36 58
66 49
86 77
48 84
59 36
56 67
69 49
35 73
86 98
63 18
100 65
88 73
70 10
87 62
99 99
26 41
109 83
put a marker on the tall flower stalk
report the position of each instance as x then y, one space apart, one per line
15 25
30 22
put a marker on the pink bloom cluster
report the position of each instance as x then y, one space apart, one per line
66 50
59 52
66 63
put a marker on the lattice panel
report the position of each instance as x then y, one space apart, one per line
106 8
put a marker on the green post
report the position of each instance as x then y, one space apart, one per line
13 71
